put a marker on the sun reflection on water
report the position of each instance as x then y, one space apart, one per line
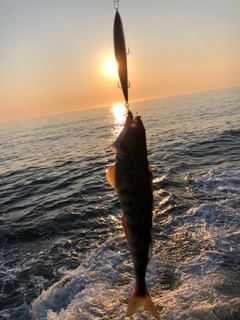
119 113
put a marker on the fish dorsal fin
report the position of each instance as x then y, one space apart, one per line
111 175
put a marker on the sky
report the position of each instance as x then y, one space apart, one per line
53 52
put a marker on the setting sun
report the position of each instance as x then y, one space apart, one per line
111 66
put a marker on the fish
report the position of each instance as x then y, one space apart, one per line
132 177
120 54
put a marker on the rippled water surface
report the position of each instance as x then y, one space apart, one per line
63 254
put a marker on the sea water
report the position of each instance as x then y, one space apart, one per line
63 253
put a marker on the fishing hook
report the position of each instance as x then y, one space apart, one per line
129 85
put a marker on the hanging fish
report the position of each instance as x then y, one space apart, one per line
120 54
132 177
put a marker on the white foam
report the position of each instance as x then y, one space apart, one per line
220 182
89 290
100 287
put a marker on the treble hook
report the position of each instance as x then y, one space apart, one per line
129 85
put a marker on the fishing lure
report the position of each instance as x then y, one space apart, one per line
121 53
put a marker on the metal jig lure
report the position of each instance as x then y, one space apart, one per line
121 53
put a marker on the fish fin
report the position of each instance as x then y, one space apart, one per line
111 175
125 230
135 302
149 253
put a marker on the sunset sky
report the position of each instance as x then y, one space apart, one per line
53 52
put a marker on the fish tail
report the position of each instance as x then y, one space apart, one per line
136 301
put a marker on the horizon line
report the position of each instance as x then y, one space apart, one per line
107 106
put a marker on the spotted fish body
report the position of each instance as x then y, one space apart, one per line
132 177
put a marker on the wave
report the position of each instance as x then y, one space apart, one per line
62 243
194 265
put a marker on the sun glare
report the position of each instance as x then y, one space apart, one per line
111 66
119 112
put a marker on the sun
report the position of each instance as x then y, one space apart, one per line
111 66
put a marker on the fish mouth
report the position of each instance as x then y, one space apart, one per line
124 143
133 121
130 116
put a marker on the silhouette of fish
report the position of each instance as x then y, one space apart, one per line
120 54
132 177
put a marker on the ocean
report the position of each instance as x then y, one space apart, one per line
63 253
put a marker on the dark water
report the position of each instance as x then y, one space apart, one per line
63 253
